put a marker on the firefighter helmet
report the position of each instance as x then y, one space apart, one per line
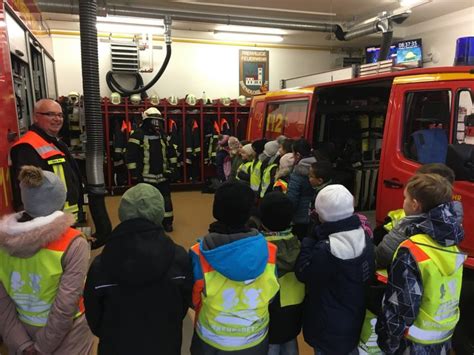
115 98
152 112
155 100
73 97
173 100
242 100
225 101
135 99
191 99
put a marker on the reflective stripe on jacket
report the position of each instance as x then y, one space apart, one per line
32 283
441 276
54 158
234 314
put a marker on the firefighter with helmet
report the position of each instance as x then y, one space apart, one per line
151 159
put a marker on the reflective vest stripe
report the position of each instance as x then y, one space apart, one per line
132 166
44 149
429 335
146 156
416 251
134 141
168 214
266 179
230 341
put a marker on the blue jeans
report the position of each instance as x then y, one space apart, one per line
288 348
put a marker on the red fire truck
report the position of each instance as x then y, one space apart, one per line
26 74
368 124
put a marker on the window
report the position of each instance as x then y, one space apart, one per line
464 105
288 118
427 126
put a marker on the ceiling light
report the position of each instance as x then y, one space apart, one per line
413 3
246 29
130 20
125 28
247 37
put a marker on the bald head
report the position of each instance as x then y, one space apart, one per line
48 116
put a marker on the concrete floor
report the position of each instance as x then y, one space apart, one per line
193 214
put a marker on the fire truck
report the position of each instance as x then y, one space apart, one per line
27 74
368 123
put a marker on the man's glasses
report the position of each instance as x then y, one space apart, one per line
51 114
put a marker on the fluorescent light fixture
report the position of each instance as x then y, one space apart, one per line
413 3
124 28
247 29
142 21
247 37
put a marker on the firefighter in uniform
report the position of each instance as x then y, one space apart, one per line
151 159
41 147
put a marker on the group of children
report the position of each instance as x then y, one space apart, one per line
308 266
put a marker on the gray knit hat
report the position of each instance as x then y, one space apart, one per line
142 201
42 192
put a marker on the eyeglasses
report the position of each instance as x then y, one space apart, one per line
51 114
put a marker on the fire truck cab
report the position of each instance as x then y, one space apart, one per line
371 128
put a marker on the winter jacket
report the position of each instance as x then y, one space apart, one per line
138 291
238 254
336 264
63 334
25 154
285 322
390 242
300 191
404 291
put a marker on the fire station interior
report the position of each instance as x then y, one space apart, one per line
202 73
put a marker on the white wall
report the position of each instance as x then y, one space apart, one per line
439 35
193 68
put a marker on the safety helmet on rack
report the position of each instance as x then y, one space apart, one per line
152 112
135 99
173 100
115 98
154 100
190 99
73 97
225 101
242 100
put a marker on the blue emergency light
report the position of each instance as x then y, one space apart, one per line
464 51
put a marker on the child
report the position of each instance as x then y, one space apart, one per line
397 221
269 167
286 309
235 158
300 191
282 176
320 176
139 289
286 146
420 308
245 169
223 160
234 279
335 264
43 265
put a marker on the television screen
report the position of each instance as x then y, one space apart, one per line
372 53
409 54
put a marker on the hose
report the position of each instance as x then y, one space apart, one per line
112 83
94 128
115 86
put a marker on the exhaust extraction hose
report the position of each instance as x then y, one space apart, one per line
93 115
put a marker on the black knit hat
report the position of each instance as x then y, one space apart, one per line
259 146
276 211
232 203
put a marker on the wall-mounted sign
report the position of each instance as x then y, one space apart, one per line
253 72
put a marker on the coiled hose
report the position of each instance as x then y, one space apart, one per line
110 80
94 128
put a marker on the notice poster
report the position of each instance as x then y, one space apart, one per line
253 72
